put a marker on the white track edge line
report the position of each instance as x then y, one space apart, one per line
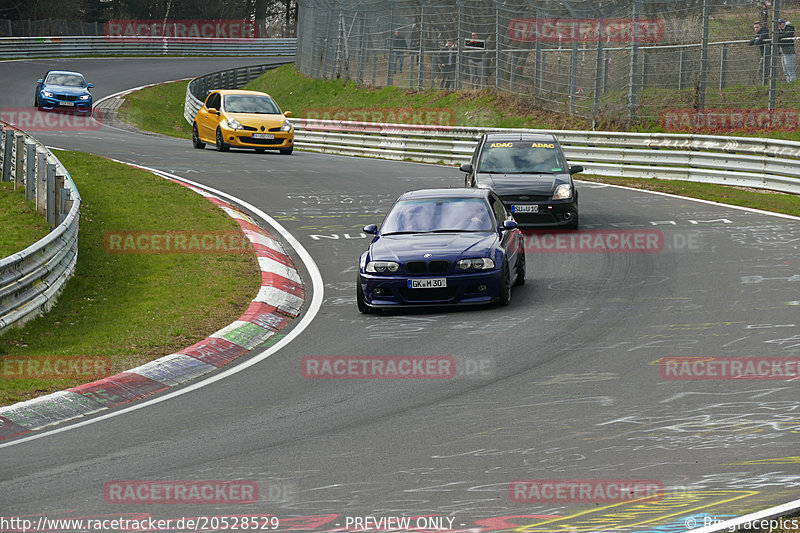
708 202
305 320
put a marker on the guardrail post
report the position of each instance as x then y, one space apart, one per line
50 193
19 165
30 171
41 181
723 63
8 145
58 199
66 204
681 61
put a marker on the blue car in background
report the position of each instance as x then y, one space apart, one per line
65 91
442 247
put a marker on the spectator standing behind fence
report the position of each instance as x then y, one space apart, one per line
447 64
475 51
761 39
399 46
784 38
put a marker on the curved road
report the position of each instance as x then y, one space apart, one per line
563 384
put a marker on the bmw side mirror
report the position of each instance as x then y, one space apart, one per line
40 81
508 224
90 86
575 169
372 229
466 167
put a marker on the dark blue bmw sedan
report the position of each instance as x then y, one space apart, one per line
442 247
63 90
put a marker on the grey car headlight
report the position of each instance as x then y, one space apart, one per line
382 266
563 192
479 263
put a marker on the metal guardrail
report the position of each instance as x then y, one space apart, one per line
760 163
32 279
23 47
198 88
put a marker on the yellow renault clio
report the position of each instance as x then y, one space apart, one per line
242 119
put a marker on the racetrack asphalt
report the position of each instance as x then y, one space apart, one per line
565 383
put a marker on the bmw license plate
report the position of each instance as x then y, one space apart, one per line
433 283
524 208
263 136
68 104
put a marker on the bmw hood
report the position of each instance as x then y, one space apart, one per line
533 184
450 246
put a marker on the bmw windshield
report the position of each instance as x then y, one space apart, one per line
67 80
429 215
521 157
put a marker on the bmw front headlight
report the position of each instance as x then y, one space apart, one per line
382 266
85 96
563 192
479 263
234 124
48 94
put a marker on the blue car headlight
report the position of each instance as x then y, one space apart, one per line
48 94
86 97
382 266
479 263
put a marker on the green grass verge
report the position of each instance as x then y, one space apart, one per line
302 96
133 307
155 109
777 202
307 97
20 224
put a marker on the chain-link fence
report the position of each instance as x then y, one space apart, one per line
615 60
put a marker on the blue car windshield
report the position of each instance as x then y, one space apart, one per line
521 157
250 103
438 214
67 80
